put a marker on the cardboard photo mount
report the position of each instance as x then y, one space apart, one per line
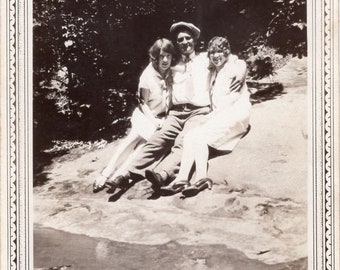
16 135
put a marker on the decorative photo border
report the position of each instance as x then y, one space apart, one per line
16 134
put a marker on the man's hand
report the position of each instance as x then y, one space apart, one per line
239 78
236 84
159 122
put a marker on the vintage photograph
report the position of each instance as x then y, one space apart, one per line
170 135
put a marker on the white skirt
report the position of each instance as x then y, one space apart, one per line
224 129
142 125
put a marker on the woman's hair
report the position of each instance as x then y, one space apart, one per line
164 45
219 44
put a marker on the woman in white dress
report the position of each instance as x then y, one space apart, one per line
153 91
223 127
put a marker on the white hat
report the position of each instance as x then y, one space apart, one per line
189 26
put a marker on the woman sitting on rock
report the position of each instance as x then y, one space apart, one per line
154 90
222 128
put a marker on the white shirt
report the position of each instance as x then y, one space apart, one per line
153 81
221 94
190 81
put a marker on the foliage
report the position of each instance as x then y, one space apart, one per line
287 31
88 54
86 65
259 30
64 146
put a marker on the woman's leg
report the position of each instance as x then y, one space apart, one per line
201 160
123 167
186 164
188 158
123 151
195 150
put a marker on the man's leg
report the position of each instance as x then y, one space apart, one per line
156 147
170 164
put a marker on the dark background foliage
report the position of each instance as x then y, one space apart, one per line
88 54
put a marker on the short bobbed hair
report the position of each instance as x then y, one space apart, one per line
219 44
160 45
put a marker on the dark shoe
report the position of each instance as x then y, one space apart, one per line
156 179
174 188
197 187
119 182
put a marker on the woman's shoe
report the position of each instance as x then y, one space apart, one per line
99 183
96 188
174 188
197 187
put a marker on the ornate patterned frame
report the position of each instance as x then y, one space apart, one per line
16 149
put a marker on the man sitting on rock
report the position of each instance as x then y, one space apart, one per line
190 100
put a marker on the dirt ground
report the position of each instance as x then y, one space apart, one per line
257 207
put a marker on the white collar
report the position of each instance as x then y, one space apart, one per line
190 56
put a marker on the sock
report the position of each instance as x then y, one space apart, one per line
164 175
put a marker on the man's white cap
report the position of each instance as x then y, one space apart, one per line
184 25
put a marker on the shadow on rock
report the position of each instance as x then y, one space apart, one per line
261 92
117 195
40 164
40 179
136 189
155 195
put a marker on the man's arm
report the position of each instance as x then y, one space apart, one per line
240 76
144 98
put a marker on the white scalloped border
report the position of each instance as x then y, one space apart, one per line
12 230
328 138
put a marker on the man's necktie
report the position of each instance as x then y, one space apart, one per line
167 90
187 62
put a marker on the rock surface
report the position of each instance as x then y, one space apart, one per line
258 203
